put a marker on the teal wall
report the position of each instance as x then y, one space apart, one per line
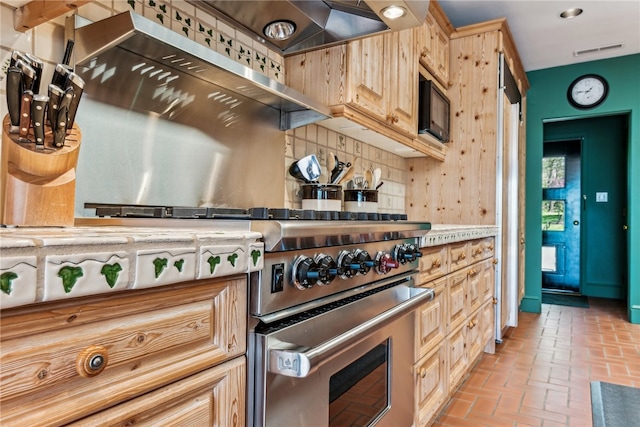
546 102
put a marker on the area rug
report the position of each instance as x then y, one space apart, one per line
565 299
614 405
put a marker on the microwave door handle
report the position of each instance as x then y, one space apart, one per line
299 362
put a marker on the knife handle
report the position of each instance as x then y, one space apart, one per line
60 131
55 96
37 65
38 108
14 92
60 75
28 74
25 113
74 81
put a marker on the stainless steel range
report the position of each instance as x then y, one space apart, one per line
331 315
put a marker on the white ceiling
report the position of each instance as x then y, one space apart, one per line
544 39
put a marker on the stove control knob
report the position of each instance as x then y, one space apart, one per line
328 269
348 264
406 252
385 262
364 259
304 273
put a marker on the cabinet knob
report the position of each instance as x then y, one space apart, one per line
436 263
92 360
423 373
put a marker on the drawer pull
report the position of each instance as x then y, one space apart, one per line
436 263
92 360
461 256
423 373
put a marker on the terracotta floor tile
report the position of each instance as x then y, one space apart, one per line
540 375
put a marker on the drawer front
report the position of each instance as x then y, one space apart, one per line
431 385
459 255
457 357
433 263
482 249
145 339
456 300
214 397
488 247
431 320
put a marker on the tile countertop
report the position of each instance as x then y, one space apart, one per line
46 264
441 234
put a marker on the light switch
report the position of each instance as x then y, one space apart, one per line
602 196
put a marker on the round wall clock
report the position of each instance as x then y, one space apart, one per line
588 91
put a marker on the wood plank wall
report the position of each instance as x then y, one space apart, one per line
461 190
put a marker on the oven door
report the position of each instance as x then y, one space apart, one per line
347 364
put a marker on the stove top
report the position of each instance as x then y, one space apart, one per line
258 213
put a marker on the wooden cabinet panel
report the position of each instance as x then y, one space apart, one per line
431 320
487 322
433 49
487 271
458 255
456 300
475 288
474 336
431 385
214 397
433 263
442 57
367 75
402 80
457 356
145 339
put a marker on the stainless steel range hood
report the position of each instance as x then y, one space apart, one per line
318 22
102 45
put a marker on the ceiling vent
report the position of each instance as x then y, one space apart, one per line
597 49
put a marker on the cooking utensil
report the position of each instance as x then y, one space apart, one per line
306 169
60 130
14 93
55 96
331 164
28 74
76 82
60 75
377 174
348 174
38 108
37 65
379 184
67 52
368 179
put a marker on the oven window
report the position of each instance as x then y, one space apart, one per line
359 393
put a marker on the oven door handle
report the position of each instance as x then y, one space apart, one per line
299 362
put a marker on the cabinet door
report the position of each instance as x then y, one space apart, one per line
457 357
214 397
474 336
402 80
426 42
488 279
367 75
431 320
456 300
431 387
488 322
475 287
442 57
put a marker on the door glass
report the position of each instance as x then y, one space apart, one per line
553 172
359 393
553 215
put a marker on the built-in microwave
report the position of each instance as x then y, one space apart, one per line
433 110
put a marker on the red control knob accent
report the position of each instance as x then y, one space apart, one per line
385 263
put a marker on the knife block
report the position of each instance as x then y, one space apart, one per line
38 185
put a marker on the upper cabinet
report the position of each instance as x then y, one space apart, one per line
432 44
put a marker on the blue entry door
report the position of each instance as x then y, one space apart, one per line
561 209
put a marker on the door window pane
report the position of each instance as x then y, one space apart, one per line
553 215
553 172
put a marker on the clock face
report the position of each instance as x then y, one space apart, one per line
588 91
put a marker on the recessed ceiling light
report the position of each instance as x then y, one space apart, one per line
279 30
571 13
394 12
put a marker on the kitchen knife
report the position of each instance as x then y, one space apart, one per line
15 55
55 96
67 52
38 108
28 74
25 114
60 75
14 92
37 65
60 131
75 82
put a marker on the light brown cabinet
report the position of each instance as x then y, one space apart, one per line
432 44
64 361
455 328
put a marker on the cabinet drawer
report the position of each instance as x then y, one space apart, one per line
431 320
482 249
145 339
433 263
458 255
431 385
214 397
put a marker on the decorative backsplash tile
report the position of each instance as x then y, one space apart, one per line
162 267
74 275
256 256
18 280
216 261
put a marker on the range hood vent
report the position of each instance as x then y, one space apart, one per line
127 35
317 22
